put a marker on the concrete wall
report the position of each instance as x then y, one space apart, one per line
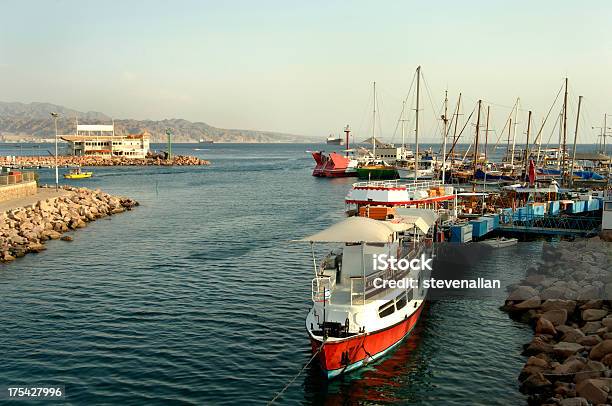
18 190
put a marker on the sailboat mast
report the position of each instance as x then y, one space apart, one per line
403 125
416 126
452 151
518 102
476 139
347 131
445 120
374 124
527 143
575 138
487 135
564 134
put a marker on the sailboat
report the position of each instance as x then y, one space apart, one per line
377 169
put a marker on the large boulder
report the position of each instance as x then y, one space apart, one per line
522 293
557 304
538 345
593 390
532 303
591 327
553 292
572 336
601 349
594 314
544 326
589 341
565 349
576 401
535 383
556 317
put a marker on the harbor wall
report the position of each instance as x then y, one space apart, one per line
70 160
9 192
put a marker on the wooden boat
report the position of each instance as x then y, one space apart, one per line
500 242
77 174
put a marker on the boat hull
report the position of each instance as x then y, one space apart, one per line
376 173
362 349
332 165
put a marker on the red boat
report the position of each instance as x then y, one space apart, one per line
354 320
333 165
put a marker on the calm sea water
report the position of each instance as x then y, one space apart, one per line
199 297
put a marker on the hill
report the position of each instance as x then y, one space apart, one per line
32 122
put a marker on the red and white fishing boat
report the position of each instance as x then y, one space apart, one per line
353 320
394 193
333 164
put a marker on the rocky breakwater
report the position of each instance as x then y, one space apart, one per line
567 299
49 161
25 229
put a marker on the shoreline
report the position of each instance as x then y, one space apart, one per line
25 229
567 299
33 161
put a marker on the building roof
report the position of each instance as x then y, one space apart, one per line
103 137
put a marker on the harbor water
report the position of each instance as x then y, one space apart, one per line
199 296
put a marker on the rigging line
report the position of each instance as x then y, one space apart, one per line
433 109
405 100
296 376
461 132
503 130
537 137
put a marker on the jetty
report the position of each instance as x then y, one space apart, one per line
24 162
29 220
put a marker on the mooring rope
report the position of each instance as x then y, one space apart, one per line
298 374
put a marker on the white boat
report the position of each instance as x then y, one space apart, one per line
500 242
354 320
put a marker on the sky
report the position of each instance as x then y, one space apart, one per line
308 67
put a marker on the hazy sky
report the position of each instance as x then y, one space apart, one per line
306 67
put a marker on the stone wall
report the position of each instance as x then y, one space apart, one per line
8 192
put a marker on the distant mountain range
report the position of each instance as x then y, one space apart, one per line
32 122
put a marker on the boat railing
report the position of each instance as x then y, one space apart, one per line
322 287
397 183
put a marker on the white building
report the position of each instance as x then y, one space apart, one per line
100 140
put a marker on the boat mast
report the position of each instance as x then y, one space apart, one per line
347 131
527 143
374 124
575 138
403 120
603 149
564 134
416 126
476 139
518 102
486 135
445 120
452 151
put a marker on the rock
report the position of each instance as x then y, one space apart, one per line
36 247
563 329
538 345
558 304
591 327
570 366
588 292
565 349
607 360
607 322
576 401
556 317
592 391
601 349
537 361
592 369
553 292
544 326
592 304
572 336
522 293
66 238
532 303
594 314
589 341
535 382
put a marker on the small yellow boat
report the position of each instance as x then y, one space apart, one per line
77 174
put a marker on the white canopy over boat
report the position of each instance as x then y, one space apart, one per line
422 219
359 230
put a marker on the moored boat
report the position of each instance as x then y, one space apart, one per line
500 242
377 170
353 320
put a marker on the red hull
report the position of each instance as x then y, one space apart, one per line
371 345
333 165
